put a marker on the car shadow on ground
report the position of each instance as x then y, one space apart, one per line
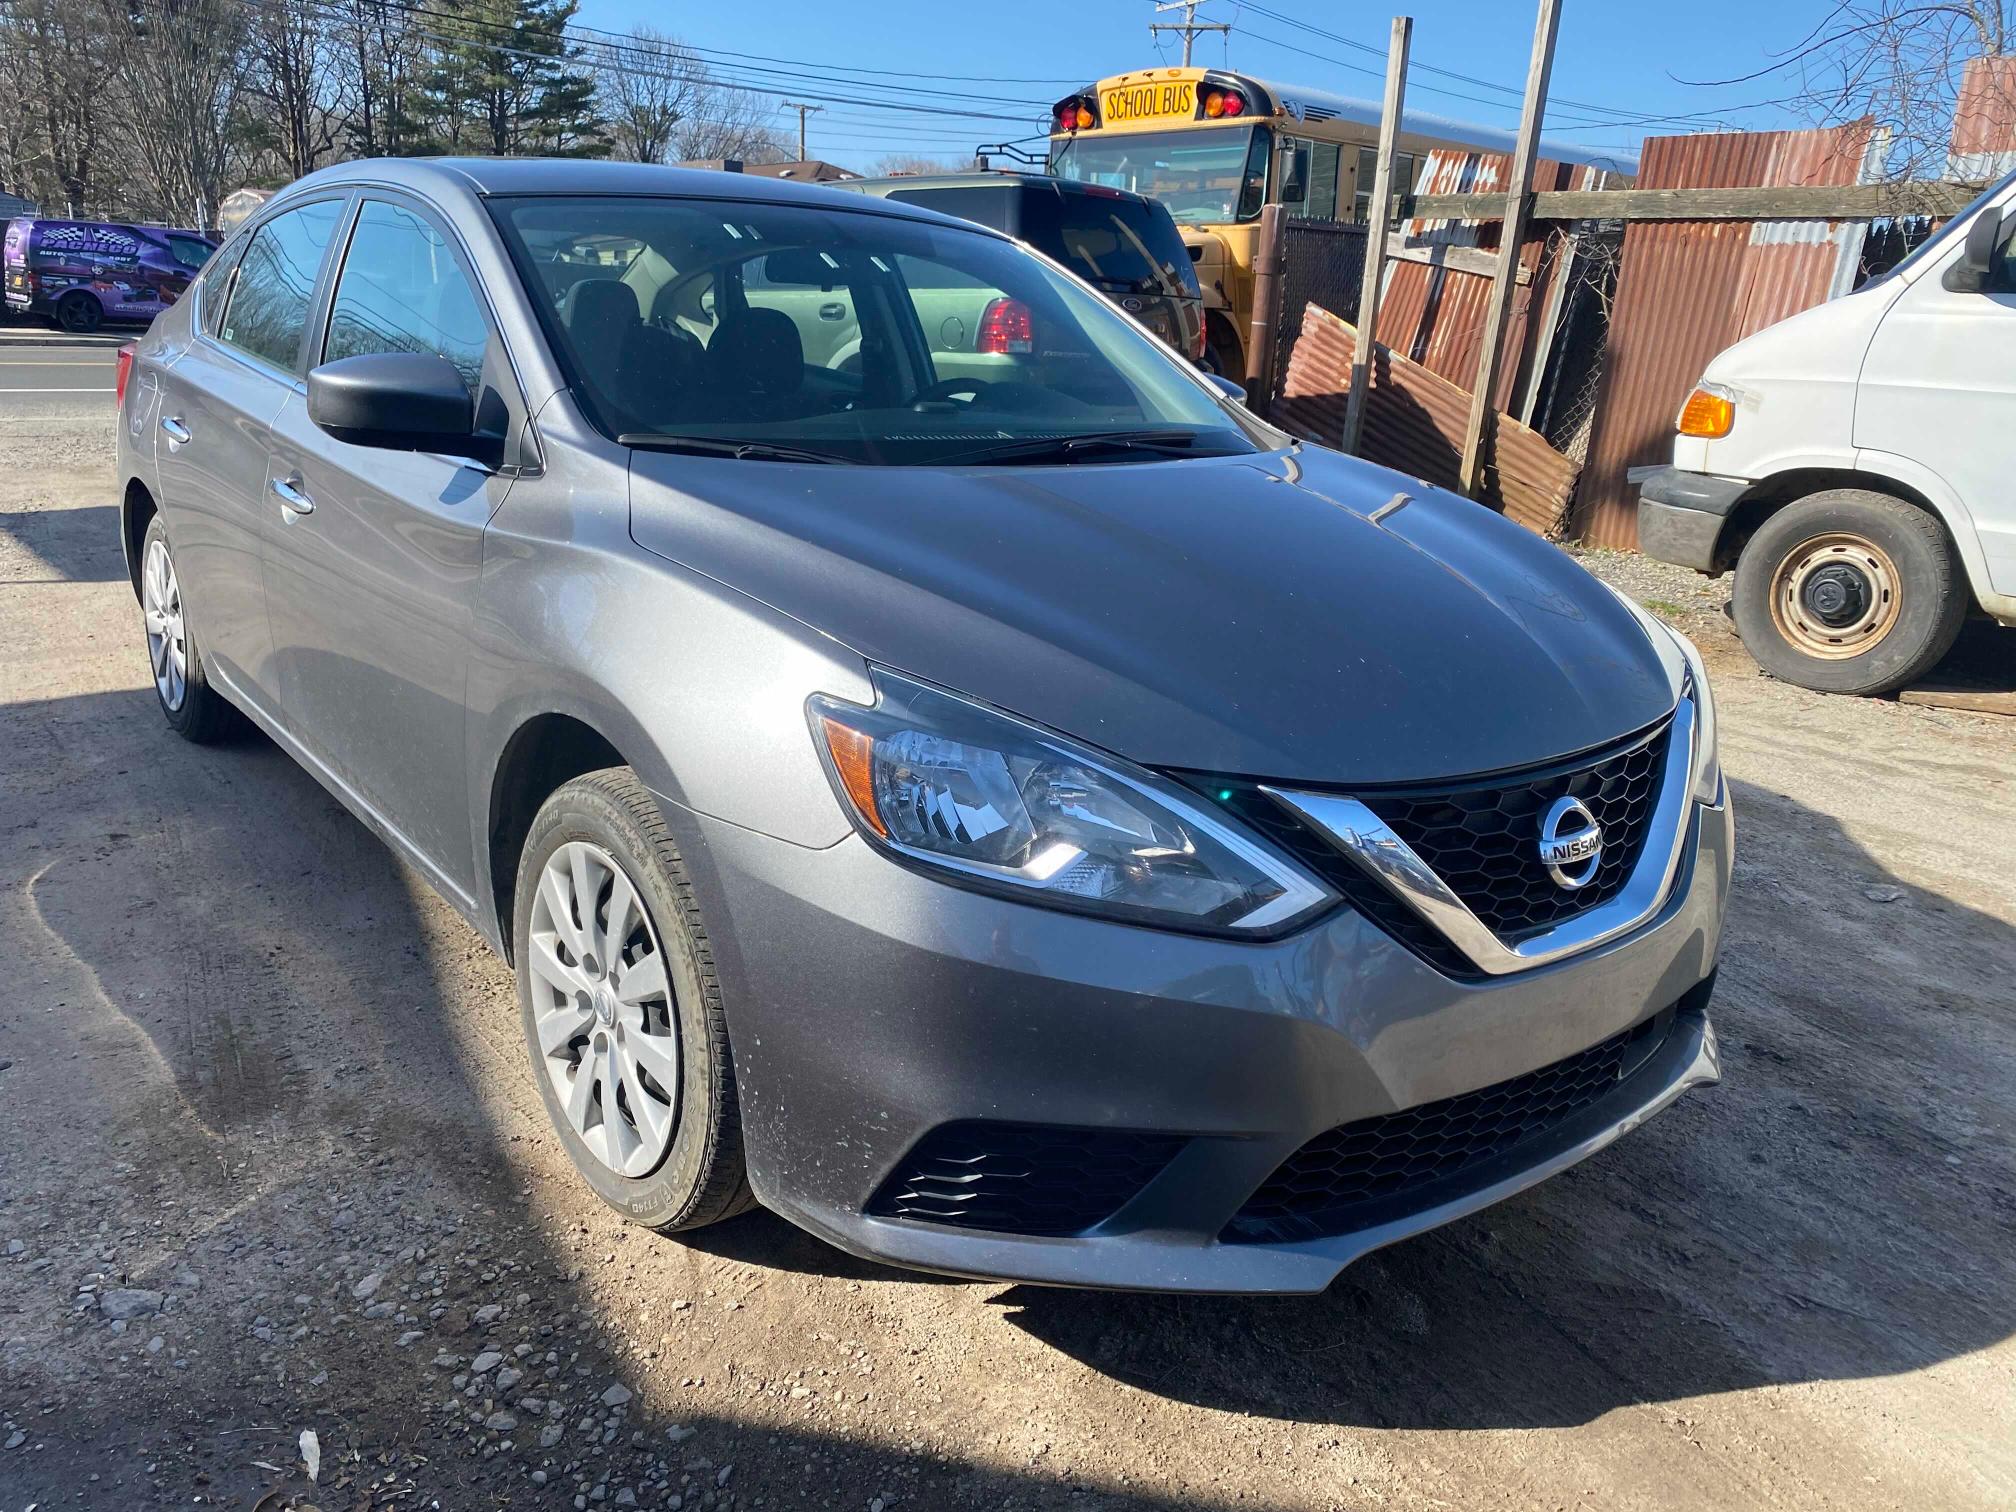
71 543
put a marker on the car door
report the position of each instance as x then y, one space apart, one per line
219 397
1938 387
372 555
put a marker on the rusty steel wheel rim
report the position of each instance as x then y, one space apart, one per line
1836 596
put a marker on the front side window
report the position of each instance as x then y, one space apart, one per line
189 251
402 290
1216 174
268 311
860 337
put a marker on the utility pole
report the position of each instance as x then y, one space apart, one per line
1378 213
1512 231
1189 26
803 111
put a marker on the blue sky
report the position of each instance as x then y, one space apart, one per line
1615 62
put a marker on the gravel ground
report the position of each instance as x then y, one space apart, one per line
271 1165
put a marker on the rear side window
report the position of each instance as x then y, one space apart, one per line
984 205
189 251
1120 245
268 311
402 290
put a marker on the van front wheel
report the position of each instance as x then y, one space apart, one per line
1849 591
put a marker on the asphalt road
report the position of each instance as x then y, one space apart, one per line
46 374
272 1161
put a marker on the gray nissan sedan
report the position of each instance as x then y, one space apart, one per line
998 804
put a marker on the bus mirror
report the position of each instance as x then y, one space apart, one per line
1973 271
1294 174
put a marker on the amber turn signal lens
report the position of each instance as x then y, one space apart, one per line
1084 118
1707 413
854 760
1214 104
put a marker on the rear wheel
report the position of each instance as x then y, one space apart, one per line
1849 591
78 313
621 1009
193 709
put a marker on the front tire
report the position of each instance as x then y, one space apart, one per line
621 1008
1849 591
194 710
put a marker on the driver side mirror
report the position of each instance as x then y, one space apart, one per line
1973 272
398 401
1294 175
1233 391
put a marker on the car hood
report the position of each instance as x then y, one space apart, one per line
1255 615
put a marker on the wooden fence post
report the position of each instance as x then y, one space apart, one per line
1263 332
1377 214
1518 200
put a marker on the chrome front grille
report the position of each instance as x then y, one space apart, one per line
1453 871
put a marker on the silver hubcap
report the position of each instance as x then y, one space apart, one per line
602 1009
167 642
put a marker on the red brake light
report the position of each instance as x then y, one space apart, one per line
1234 103
1005 327
125 372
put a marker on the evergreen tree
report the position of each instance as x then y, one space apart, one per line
506 81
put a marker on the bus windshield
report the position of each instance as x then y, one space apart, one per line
1214 175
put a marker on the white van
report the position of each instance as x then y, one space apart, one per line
1856 466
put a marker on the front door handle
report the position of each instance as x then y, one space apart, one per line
174 429
288 491
833 311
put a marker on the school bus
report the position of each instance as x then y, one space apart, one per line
1216 146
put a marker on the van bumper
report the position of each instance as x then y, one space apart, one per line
1681 513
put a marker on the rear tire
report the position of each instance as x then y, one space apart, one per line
601 1001
194 710
78 313
1849 591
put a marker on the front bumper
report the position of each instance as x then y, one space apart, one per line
870 1006
1681 513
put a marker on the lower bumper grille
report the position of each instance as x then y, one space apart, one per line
1031 1179
1394 1164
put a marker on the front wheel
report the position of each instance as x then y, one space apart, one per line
1849 591
621 1009
78 313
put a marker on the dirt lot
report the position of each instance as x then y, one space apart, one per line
270 1162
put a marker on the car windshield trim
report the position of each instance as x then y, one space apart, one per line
722 446
1159 445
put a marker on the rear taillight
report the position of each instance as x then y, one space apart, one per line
1005 327
1202 343
125 371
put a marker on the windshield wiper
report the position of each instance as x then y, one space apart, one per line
742 451
1159 443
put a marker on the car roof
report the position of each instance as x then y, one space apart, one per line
486 177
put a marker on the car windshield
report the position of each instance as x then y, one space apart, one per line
785 332
1213 175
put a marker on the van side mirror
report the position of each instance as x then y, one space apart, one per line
1974 270
398 401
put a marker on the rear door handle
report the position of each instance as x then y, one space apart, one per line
288 491
833 311
175 430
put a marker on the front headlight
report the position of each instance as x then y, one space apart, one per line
992 802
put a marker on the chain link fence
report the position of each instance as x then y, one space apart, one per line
1323 263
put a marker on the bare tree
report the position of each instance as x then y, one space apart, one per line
380 59
728 122
181 66
646 87
299 115
58 60
1901 64
904 164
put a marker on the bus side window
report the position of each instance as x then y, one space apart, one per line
1404 166
1319 177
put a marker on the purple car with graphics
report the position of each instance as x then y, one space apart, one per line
79 274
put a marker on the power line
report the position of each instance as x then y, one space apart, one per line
803 110
1189 26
